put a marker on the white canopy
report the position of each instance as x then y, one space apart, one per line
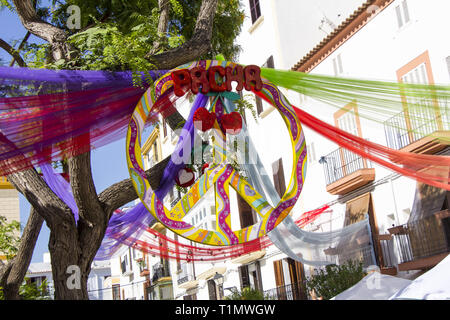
374 286
432 285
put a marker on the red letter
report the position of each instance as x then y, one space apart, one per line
253 78
181 79
199 77
212 79
237 76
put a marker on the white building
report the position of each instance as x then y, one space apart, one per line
383 39
38 272
9 204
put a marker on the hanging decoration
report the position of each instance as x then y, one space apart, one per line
185 177
221 175
48 115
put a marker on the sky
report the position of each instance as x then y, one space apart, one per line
108 163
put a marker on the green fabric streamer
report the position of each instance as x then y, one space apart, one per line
381 101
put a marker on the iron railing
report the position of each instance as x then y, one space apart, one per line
160 270
364 254
184 275
407 127
294 291
388 253
341 163
422 238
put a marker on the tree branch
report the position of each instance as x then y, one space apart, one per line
22 260
123 192
44 30
197 46
40 196
164 8
13 52
83 188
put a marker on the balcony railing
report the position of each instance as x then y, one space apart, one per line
408 127
184 275
387 246
341 163
422 239
295 291
160 271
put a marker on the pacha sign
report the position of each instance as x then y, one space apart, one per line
246 77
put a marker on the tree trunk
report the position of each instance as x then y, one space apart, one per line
22 260
65 253
73 246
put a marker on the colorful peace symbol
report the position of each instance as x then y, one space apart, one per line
220 175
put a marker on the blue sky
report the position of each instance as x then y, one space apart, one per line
108 162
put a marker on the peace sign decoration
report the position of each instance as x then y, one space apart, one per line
201 77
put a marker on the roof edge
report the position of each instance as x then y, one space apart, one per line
355 22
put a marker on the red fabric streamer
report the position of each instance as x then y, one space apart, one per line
154 243
430 169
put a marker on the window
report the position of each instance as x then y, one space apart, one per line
116 292
311 153
278 177
164 125
448 64
269 63
246 214
347 122
337 65
244 276
402 13
255 10
259 105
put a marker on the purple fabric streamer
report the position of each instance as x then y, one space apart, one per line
126 227
60 187
123 227
171 170
48 81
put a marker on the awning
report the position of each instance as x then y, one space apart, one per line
427 201
189 284
211 272
247 258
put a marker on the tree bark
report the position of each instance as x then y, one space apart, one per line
71 243
198 45
13 52
19 266
44 30
164 7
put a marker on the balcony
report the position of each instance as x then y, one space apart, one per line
412 130
126 271
295 291
185 278
143 267
345 171
160 271
423 243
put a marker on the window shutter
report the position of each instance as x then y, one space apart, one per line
405 11
269 63
278 177
278 270
244 276
212 290
448 64
399 16
245 212
259 105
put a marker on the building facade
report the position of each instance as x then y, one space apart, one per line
409 221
